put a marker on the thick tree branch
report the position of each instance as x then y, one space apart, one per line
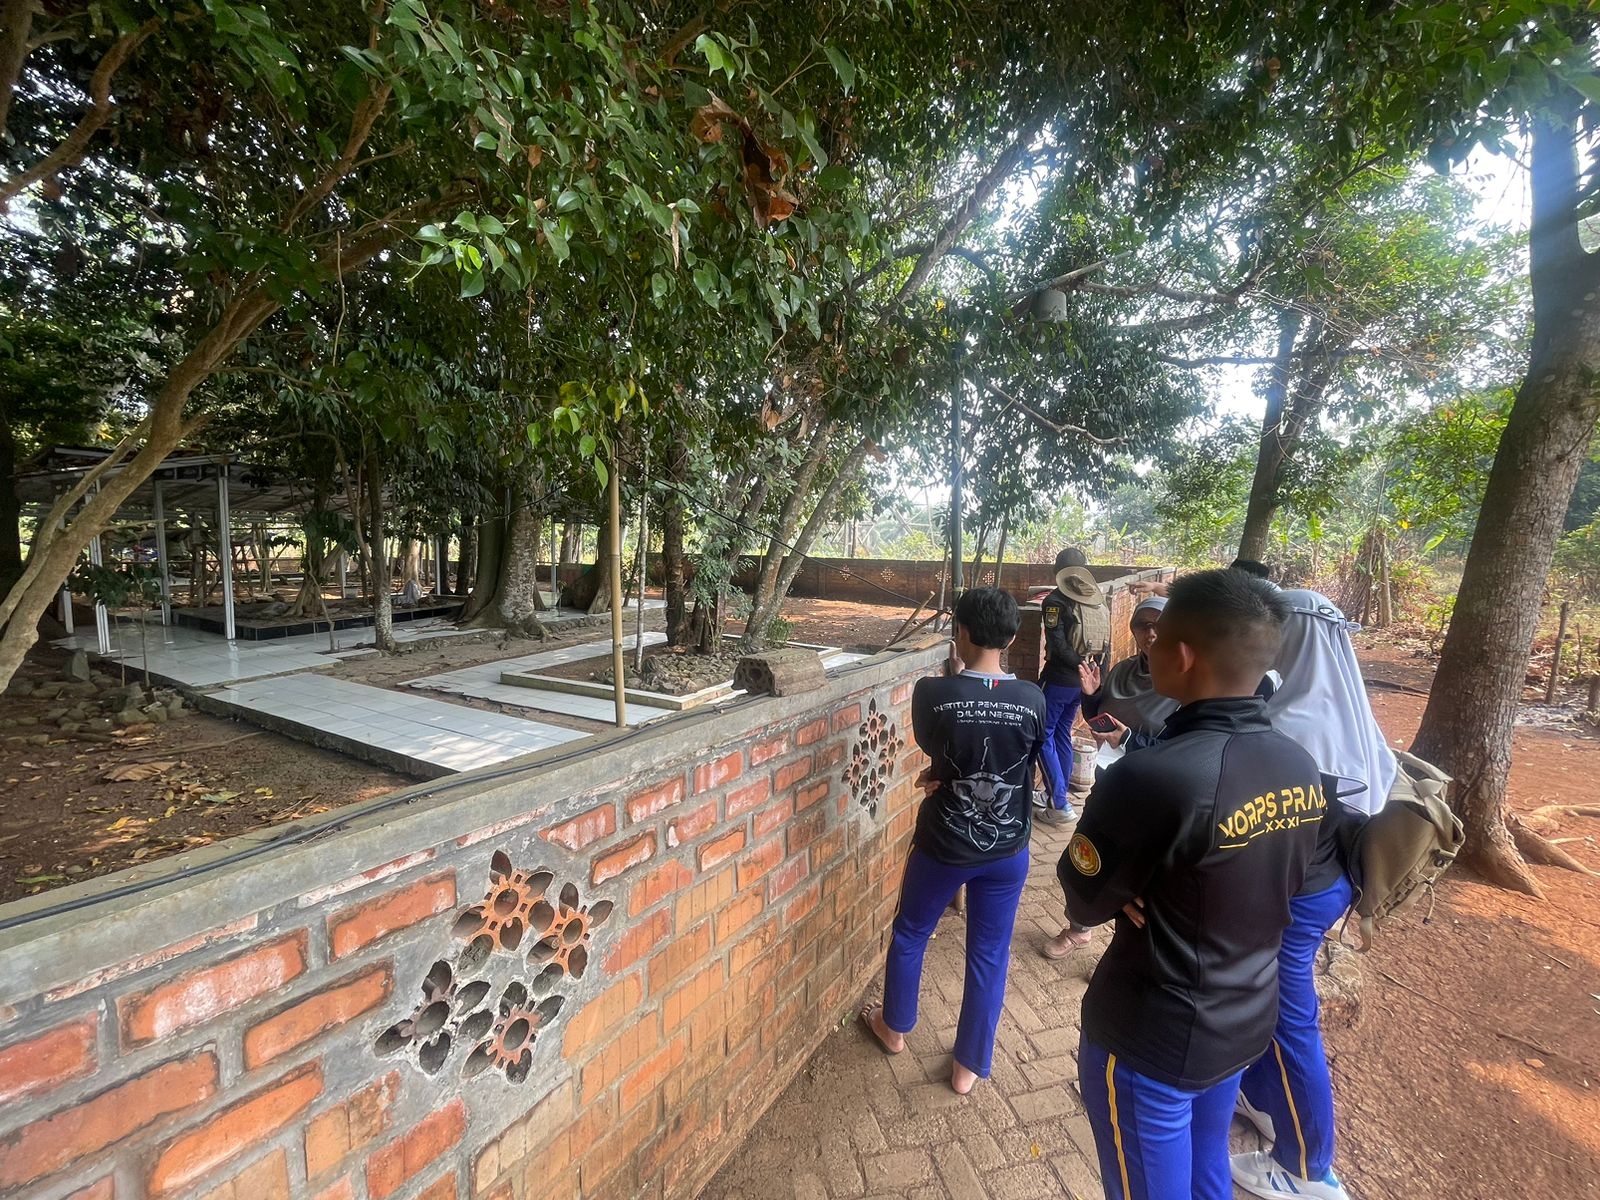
361 122
967 212
73 146
16 23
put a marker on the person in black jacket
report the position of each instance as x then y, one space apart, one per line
982 729
1194 846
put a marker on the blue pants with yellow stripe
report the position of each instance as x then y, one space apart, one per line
1156 1141
1290 1082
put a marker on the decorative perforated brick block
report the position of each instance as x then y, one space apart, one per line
871 763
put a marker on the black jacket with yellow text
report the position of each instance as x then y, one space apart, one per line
1215 827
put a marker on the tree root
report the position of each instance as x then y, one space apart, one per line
1539 849
1570 810
1501 867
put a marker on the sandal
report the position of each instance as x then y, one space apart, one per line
1077 939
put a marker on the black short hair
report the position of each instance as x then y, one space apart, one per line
990 617
1251 566
1231 617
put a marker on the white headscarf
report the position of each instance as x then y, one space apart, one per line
1323 703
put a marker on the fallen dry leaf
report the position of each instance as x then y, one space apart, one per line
136 772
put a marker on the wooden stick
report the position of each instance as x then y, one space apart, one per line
1555 663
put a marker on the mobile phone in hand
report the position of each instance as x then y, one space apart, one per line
1101 723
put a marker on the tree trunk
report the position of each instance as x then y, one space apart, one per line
467 540
489 554
789 518
382 581
1272 451
411 564
10 510
1473 703
763 613
571 541
675 579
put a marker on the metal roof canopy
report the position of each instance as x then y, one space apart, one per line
188 484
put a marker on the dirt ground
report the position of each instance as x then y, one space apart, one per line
1473 1070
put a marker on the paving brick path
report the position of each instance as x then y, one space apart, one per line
861 1125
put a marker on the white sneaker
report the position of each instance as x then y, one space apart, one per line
1259 1174
1256 1117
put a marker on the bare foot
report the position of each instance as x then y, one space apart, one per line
961 1079
892 1041
1065 942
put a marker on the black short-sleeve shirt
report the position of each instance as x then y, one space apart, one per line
983 733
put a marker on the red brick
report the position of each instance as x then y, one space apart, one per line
748 798
804 830
831 756
300 1023
81 1132
739 914
235 1130
265 1179
585 828
674 962
102 1189
721 850
772 818
648 1076
624 858
639 941
902 693
646 804
843 718
808 796
759 861
616 1150
601 1015
409 1155
790 774
200 995
340 1190
692 824
718 772
705 898
811 731
356 1123
788 877
828 848
637 1041
695 992
802 905
655 886
364 924
49 1060
762 751
442 1188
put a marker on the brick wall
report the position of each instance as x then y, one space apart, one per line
584 976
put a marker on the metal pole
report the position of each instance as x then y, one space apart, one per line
102 624
614 503
161 557
66 597
644 562
555 564
955 492
344 568
225 534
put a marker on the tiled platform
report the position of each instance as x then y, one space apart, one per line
198 659
482 682
414 734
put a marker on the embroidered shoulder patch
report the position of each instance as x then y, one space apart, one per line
1052 617
1085 858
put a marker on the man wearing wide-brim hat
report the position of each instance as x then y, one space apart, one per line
1077 626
